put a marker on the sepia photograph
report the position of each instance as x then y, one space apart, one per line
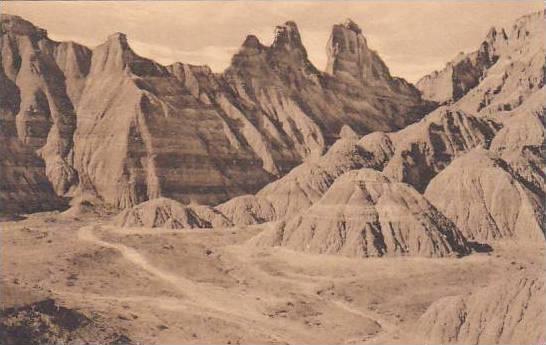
273 172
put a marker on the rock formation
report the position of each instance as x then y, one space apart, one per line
351 60
481 194
521 141
425 148
49 322
248 209
36 97
364 214
24 186
150 137
307 183
128 129
506 69
413 155
168 213
511 311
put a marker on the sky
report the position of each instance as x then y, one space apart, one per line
414 38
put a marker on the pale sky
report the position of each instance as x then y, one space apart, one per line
413 37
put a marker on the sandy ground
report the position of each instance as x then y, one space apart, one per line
209 286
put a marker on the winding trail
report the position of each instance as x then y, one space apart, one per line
214 300
386 325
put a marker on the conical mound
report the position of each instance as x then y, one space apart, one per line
167 213
364 214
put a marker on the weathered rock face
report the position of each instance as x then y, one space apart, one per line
461 74
274 78
307 183
427 147
413 155
350 60
248 209
521 142
509 312
481 194
506 69
170 214
518 72
43 111
24 186
49 322
145 130
365 214
150 137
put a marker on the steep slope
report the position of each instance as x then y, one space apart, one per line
518 72
365 214
40 71
24 186
506 69
362 80
425 148
482 195
282 73
413 155
168 213
462 73
145 130
521 142
149 137
508 312
308 182
287 110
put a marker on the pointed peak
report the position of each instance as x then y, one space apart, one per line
495 34
287 36
118 40
350 25
252 41
292 25
18 26
118 37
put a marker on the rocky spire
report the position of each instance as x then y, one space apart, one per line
350 25
350 58
18 26
252 42
287 36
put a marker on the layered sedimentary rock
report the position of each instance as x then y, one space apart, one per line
517 75
521 142
168 213
425 148
145 130
364 214
481 194
150 137
248 209
462 73
511 311
358 70
39 72
268 112
27 123
413 155
506 69
24 186
307 183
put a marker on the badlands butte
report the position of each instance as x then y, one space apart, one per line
275 202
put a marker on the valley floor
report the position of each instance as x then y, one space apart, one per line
208 286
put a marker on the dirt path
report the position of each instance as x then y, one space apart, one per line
213 300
